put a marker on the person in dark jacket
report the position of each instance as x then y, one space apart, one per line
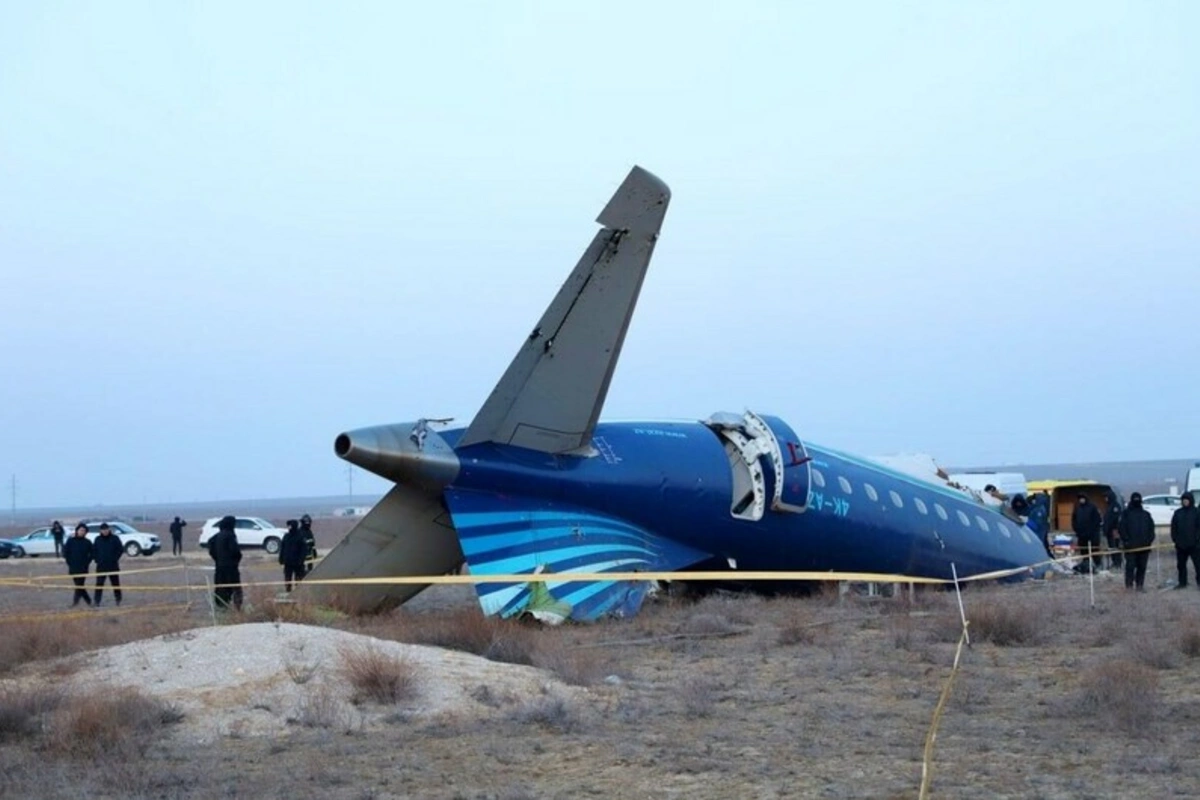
1086 522
56 530
1112 517
77 552
292 551
1136 530
310 544
1185 533
177 536
227 554
107 551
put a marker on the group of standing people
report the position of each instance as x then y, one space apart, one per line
297 551
79 552
1129 533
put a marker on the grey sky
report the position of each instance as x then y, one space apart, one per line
230 231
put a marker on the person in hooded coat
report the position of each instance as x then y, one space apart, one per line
1112 518
1185 533
77 552
1086 522
292 551
1136 530
107 550
227 555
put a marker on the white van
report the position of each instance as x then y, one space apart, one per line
1008 484
1192 484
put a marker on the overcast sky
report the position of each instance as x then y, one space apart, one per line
229 231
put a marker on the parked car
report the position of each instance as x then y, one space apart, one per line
250 532
135 542
7 548
39 542
1161 507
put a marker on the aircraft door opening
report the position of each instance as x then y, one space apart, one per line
752 445
790 462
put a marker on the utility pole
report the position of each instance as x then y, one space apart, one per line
350 479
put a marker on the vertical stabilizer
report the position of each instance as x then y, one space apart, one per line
551 395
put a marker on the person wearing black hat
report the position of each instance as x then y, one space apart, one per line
291 554
1136 530
227 554
107 550
1185 533
77 552
1086 522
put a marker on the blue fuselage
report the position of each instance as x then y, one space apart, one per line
674 479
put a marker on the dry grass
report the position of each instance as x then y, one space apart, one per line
1189 640
1124 692
23 710
378 677
1007 624
550 712
576 666
321 708
37 640
467 630
719 715
105 720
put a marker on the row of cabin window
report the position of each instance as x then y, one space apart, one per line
898 502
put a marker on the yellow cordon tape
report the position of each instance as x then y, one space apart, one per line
44 581
931 737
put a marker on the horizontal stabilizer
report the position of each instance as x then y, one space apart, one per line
551 395
507 535
406 533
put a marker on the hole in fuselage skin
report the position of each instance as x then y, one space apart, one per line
341 445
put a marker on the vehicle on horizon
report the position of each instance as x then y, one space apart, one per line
1192 482
1162 507
7 548
40 542
250 532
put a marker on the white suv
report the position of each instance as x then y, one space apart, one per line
250 532
134 541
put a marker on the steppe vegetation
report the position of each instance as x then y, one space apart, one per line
718 697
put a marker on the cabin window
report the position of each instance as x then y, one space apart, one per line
1005 529
818 478
1026 535
871 493
941 512
963 518
896 501
845 484
983 526
920 504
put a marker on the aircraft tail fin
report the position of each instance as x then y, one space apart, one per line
551 395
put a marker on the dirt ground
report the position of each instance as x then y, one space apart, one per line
724 696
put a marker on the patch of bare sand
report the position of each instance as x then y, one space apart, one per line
262 679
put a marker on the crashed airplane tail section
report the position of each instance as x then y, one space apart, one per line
536 485
548 401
